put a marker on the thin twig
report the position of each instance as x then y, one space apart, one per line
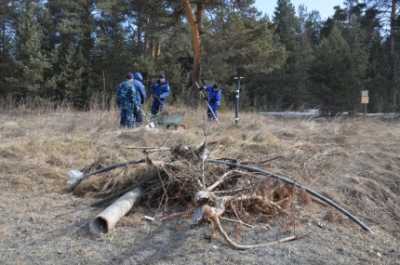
238 221
244 247
269 160
178 214
262 161
149 148
165 191
224 176
220 180
232 191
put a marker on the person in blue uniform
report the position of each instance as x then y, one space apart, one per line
140 97
126 101
160 92
214 97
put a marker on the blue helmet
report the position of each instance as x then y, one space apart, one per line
138 76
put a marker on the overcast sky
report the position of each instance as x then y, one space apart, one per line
325 7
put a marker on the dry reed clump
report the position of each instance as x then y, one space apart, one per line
252 140
4 232
11 152
21 183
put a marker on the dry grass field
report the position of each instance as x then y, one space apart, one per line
354 161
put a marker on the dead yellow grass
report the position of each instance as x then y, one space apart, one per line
355 161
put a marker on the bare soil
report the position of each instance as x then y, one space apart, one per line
354 161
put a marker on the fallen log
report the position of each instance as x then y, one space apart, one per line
78 176
295 184
107 219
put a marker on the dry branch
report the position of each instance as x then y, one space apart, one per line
103 170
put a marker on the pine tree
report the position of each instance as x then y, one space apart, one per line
389 12
111 52
312 27
291 82
241 41
72 47
337 72
6 63
286 23
31 63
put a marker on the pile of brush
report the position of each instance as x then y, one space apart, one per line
210 189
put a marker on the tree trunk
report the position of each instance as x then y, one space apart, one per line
197 50
3 34
139 31
393 55
158 49
393 27
195 25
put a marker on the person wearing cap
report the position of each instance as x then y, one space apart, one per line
126 101
160 91
140 97
214 97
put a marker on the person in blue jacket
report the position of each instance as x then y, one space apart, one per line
214 97
126 101
160 91
140 97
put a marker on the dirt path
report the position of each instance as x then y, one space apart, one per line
50 229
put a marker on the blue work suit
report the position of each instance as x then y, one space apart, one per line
140 97
126 101
214 97
160 92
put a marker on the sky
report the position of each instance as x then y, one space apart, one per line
325 7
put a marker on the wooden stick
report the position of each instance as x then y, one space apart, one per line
106 169
232 191
237 221
220 180
245 247
148 148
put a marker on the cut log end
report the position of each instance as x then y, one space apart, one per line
99 226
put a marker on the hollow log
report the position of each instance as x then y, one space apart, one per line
107 219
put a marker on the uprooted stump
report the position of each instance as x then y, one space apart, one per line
187 178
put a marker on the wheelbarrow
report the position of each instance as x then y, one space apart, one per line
169 120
